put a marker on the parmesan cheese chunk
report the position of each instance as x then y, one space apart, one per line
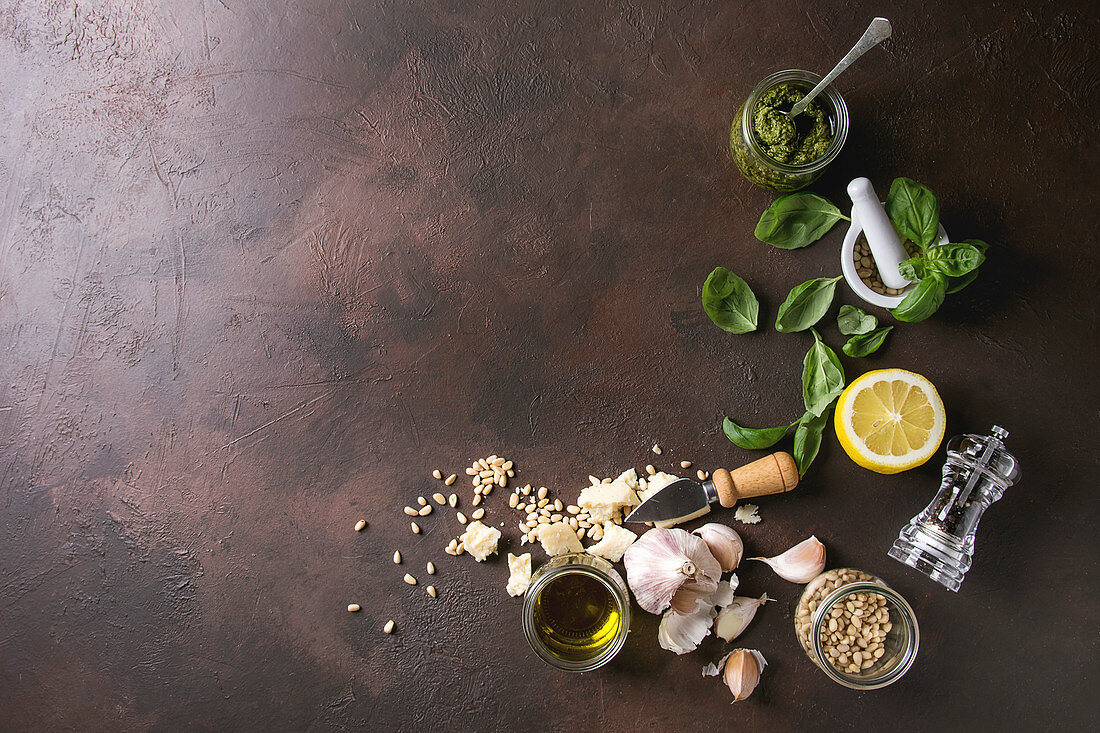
747 514
614 543
655 483
558 539
603 501
480 540
520 578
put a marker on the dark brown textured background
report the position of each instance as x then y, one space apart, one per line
264 266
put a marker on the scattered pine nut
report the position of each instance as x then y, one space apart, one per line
410 579
360 524
488 490
353 607
431 569
415 527
685 464
650 469
513 500
437 474
461 517
397 557
410 511
425 510
572 508
476 500
452 500
439 498
460 548
702 475
450 479
388 628
431 590
478 514
543 492
421 500
471 471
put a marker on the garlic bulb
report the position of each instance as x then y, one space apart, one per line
742 671
736 617
662 561
724 543
682 632
800 564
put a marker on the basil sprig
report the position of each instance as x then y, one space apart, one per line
915 211
730 302
806 304
796 220
822 383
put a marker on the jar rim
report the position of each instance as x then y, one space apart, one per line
622 602
908 618
840 110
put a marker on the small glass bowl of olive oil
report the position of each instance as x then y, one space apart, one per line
576 613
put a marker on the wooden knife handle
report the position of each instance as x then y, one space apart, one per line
772 474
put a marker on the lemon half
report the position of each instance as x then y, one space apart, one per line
890 420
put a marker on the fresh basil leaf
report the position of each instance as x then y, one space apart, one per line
955 260
730 302
806 304
923 300
867 343
956 284
915 211
822 377
807 438
913 269
852 320
796 220
754 438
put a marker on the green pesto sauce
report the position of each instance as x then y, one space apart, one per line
777 133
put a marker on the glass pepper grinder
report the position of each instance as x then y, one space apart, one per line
939 541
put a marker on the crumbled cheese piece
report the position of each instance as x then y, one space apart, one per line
480 540
603 501
520 578
747 514
614 543
656 482
558 539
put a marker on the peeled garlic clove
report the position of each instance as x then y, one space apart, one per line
662 561
742 668
736 617
724 543
682 632
800 564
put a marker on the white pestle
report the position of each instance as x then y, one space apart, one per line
886 246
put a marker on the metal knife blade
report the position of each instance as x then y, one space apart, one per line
680 498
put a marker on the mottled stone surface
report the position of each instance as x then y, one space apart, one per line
264 266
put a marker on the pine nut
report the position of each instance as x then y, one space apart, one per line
701 474
478 514
353 607
439 498
657 449
415 527
650 469
360 524
388 628
431 590
421 500
426 510
471 471
450 479
557 505
397 557
437 473
543 492
507 465
572 508
410 511
460 548
487 490
513 501
476 500
685 464
461 517
452 501
410 579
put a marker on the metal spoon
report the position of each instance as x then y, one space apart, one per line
876 33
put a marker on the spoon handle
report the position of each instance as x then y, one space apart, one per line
876 33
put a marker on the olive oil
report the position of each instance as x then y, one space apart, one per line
576 616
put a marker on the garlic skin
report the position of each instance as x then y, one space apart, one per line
724 543
742 671
800 564
661 561
690 598
736 617
682 632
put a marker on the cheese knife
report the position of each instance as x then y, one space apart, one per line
685 498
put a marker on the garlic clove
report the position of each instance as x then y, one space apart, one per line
800 564
740 670
735 618
663 560
724 543
682 632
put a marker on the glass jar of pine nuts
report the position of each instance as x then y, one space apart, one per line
857 629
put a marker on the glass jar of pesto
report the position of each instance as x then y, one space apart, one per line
779 153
